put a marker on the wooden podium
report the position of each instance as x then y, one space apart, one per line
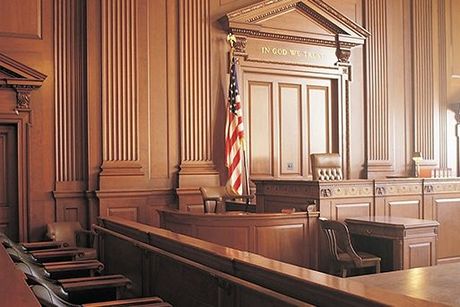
402 243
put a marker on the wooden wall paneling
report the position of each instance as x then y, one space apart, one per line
445 210
452 22
442 62
290 129
70 110
424 82
260 118
21 19
120 104
400 198
236 236
280 242
379 157
139 115
197 166
9 211
419 254
442 203
94 104
319 119
16 86
342 209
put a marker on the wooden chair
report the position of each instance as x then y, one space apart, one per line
326 166
220 194
74 236
50 294
341 250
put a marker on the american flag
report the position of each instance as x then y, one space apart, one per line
234 134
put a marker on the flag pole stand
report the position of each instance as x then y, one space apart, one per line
246 173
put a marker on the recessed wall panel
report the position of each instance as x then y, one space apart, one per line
260 123
21 19
290 129
455 17
318 119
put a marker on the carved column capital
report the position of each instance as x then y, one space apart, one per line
240 45
23 96
343 54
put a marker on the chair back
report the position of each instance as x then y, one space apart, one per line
338 239
217 194
47 297
326 166
64 231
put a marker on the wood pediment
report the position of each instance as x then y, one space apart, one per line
13 73
21 78
311 22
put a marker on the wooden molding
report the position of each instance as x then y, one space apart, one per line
195 96
343 33
379 158
120 109
21 78
197 167
70 90
423 79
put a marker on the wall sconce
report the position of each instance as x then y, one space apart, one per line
417 157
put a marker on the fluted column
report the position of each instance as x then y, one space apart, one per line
197 167
120 110
425 129
70 109
378 139
443 152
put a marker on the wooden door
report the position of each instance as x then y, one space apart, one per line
288 118
8 182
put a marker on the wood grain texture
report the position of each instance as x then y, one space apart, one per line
378 119
120 85
423 79
195 80
172 259
21 19
70 90
290 238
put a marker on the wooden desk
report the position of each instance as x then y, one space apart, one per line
437 283
402 243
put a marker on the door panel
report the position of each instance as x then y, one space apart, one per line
288 118
8 182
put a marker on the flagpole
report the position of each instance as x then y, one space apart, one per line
231 40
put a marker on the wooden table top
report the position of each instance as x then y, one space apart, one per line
402 222
436 283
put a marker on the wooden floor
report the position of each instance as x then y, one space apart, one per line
438 283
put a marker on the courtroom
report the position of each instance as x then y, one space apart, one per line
221 153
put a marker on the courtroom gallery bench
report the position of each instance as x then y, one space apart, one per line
187 271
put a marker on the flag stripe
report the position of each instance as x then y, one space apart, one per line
234 134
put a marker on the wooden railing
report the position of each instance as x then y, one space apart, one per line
190 272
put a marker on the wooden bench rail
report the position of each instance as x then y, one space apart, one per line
302 284
42 245
224 278
96 282
143 301
63 266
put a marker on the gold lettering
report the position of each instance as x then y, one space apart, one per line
309 55
265 50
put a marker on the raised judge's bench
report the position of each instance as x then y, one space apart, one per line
433 198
